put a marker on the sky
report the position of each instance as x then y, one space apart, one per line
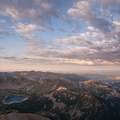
60 35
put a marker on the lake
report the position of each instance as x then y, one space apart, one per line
15 99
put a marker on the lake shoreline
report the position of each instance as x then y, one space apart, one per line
14 99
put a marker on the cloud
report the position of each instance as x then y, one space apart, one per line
116 23
97 42
109 2
22 28
24 9
26 30
43 60
1 50
3 32
110 8
83 9
30 15
91 28
78 50
1 47
74 50
2 22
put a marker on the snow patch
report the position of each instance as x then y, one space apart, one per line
61 88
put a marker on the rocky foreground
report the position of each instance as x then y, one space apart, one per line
22 116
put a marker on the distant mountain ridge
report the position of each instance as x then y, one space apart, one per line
37 75
19 80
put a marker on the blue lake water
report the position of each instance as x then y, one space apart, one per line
15 99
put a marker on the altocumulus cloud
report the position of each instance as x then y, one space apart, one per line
23 9
96 43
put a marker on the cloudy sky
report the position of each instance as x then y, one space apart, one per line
59 35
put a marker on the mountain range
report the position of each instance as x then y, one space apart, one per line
59 96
